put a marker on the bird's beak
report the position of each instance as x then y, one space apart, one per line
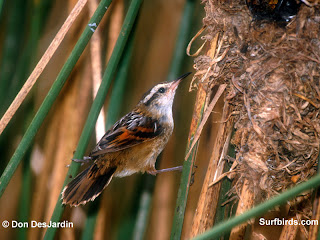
175 83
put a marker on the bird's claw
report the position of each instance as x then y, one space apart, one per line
85 159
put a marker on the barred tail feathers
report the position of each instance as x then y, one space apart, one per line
86 186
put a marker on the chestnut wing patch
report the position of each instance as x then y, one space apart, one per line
129 131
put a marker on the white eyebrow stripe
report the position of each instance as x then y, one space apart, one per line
150 95
153 91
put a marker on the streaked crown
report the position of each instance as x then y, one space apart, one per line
162 94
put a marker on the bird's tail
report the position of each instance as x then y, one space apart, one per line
86 186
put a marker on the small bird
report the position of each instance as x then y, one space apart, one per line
131 145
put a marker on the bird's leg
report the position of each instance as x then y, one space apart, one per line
85 159
155 172
178 168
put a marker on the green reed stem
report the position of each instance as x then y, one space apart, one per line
51 97
116 101
262 208
97 103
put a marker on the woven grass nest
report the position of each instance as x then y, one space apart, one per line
272 72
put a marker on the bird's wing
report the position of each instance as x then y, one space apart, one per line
132 129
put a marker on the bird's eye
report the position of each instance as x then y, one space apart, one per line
161 90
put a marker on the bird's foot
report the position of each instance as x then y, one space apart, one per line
152 172
85 159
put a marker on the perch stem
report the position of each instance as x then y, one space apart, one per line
96 208
99 100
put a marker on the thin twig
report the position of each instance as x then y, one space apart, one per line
192 40
41 65
206 116
228 174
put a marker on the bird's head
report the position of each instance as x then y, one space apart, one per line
159 99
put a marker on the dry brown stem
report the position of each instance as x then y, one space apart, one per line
96 69
289 232
246 202
39 197
209 196
116 20
208 200
314 229
41 65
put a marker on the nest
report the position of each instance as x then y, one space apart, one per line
273 77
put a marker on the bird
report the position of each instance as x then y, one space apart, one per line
130 146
